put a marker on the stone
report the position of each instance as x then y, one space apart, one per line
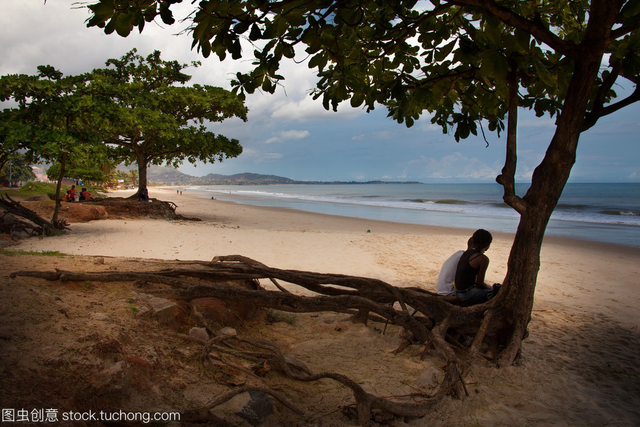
229 332
103 317
114 377
199 333
257 408
225 313
429 379
163 310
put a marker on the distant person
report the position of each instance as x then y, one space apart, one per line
67 196
85 195
447 275
72 193
81 195
143 195
470 274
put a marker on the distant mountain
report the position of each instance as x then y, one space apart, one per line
161 175
243 179
164 175
171 176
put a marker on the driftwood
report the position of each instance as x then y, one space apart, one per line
40 225
430 320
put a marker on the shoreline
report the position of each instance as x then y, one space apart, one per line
409 227
585 211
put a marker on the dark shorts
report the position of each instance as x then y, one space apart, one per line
474 295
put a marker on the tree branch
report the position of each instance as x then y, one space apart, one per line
536 29
507 178
592 117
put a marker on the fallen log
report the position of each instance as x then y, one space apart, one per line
15 208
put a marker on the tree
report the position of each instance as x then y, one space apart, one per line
55 119
14 135
154 121
468 63
18 169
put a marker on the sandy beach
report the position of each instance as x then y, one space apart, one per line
579 363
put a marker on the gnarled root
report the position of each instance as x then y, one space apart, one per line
430 321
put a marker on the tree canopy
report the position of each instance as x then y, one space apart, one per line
153 119
448 58
55 118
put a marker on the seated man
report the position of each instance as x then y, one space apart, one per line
447 275
143 195
472 267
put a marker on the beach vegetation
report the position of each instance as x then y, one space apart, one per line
468 66
277 316
54 118
10 252
16 169
153 118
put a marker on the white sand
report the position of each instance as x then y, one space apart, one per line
579 366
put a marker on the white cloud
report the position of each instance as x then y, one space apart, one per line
307 109
288 135
257 156
455 166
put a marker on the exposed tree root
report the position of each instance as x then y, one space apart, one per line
428 318
132 207
36 225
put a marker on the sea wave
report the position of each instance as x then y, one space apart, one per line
624 213
569 212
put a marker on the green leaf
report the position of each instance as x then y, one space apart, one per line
318 61
357 99
236 50
442 52
543 73
255 33
631 9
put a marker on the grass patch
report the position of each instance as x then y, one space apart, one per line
48 189
275 316
7 252
31 189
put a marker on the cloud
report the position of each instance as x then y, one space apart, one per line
257 156
288 135
381 135
308 109
455 166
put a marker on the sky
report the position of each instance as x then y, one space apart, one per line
291 135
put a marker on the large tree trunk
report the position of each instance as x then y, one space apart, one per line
516 300
142 172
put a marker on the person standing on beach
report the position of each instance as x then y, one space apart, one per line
470 275
447 275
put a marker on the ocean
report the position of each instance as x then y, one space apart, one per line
592 212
